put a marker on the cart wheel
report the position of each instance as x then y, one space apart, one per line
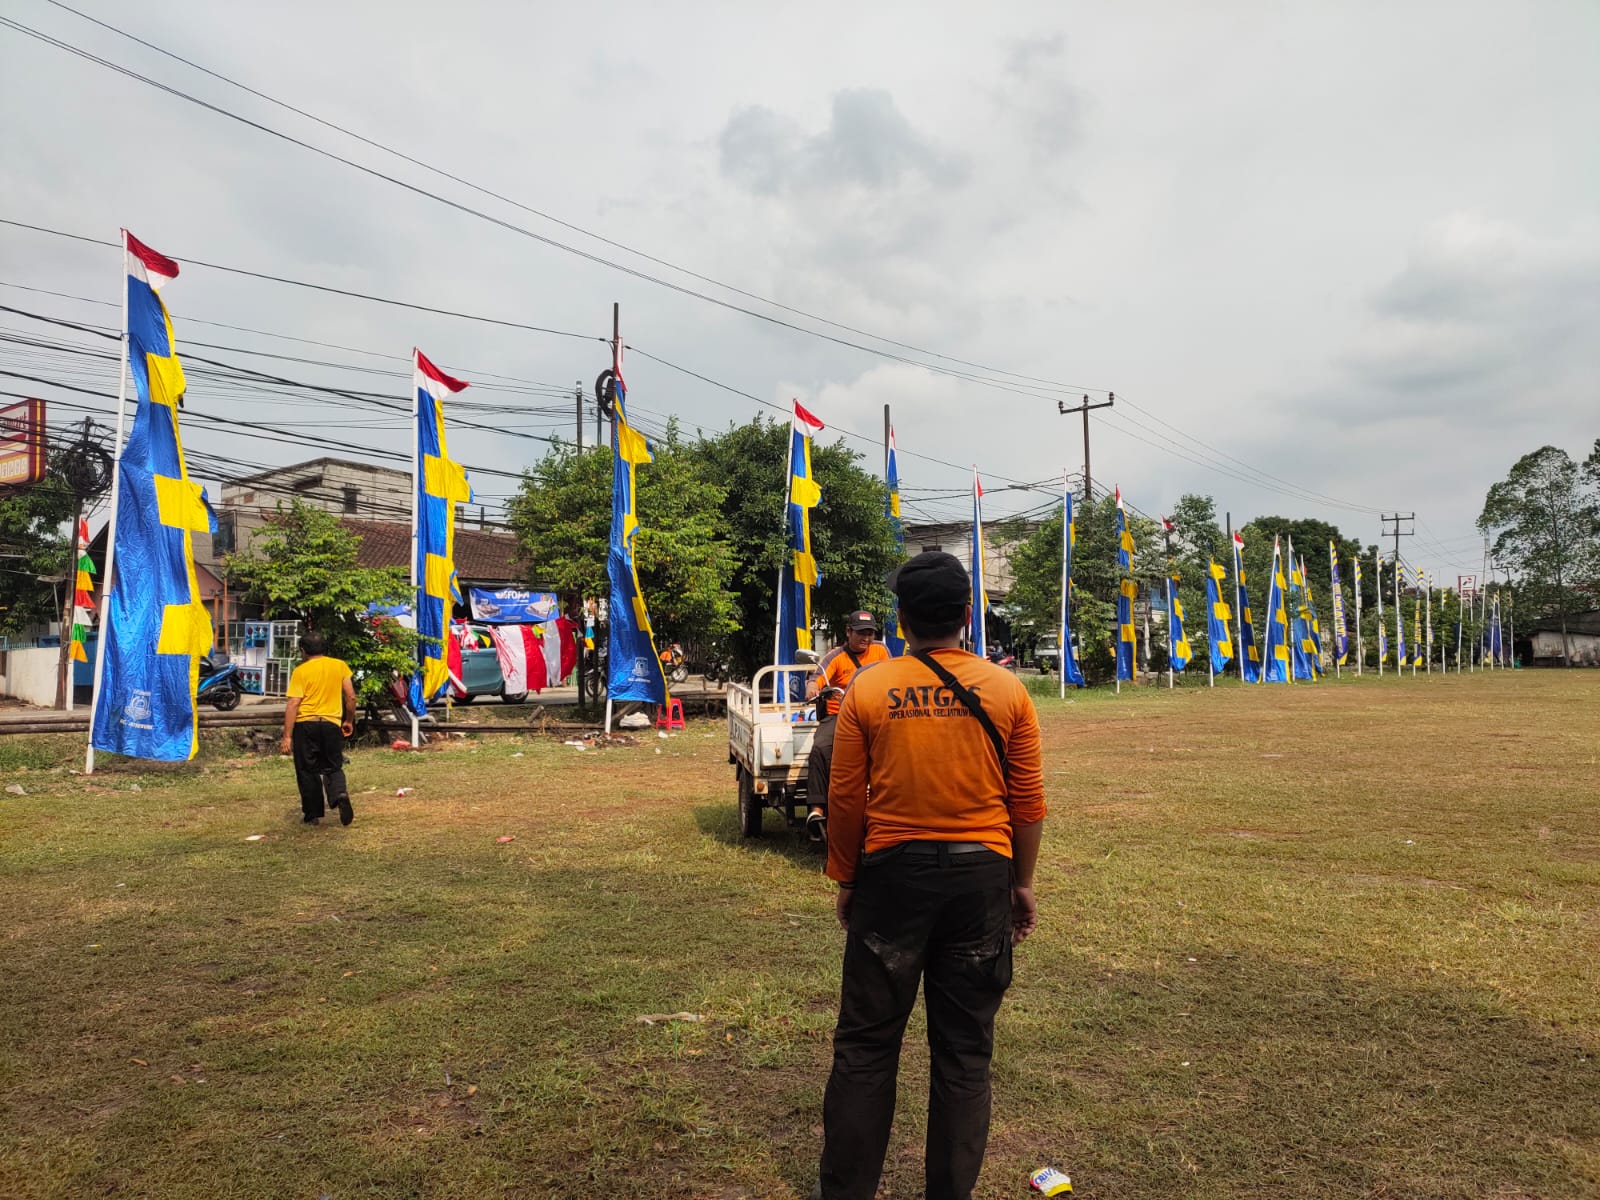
749 807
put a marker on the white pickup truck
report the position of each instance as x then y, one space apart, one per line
769 740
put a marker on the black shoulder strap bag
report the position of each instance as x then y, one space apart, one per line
974 706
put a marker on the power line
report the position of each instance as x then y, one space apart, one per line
1031 386
442 173
980 381
318 287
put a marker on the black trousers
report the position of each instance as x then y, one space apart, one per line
318 765
819 762
944 920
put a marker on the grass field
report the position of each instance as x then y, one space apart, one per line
1337 941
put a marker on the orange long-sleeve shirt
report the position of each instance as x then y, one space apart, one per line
911 764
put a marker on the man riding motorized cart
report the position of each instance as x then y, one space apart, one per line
835 671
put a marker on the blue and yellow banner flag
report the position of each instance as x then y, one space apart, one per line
1219 618
978 634
633 668
1127 593
1276 667
1417 648
1313 624
1341 630
894 638
1400 659
1299 620
154 626
1178 641
799 573
1071 672
1249 651
1383 631
440 485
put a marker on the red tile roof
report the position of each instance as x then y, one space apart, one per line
481 556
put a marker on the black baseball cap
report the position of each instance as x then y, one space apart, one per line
933 584
860 619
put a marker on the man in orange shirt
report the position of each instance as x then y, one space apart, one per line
838 667
320 715
936 807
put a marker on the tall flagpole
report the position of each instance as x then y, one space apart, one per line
780 677
1238 617
111 525
1399 622
1428 647
1338 613
1361 641
1377 564
1066 549
1170 615
416 485
616 450
1461 621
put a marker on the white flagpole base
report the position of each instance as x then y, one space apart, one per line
608 716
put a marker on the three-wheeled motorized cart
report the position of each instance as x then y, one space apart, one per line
769 741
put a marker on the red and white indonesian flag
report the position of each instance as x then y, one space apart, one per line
522 654
805 424
147 265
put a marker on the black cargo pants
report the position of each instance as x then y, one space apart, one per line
318 764
819 761
924 914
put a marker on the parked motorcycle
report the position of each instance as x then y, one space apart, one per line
674 663
219 686
1001 657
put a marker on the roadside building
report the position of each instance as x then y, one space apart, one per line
1541 645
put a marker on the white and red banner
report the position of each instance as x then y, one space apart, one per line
521 650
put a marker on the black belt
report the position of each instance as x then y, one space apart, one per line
936 849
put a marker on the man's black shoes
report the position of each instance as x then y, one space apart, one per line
346 813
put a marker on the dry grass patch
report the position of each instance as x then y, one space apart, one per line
1335 941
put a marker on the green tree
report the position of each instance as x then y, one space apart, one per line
850 535
1545 520
306 570
33 549
562 518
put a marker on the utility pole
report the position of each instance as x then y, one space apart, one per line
1397 533
1086 408
577 405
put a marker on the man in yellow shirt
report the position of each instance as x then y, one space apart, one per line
935 811
321 714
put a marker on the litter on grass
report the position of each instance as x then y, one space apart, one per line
1048 1181
501 841
664 1018
405 791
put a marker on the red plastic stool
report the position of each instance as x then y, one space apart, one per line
670 714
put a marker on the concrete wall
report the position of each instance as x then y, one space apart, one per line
30 675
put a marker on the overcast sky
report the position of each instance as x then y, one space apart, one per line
1356 246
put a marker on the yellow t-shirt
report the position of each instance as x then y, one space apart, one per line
319 682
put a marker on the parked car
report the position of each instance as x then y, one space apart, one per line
480 667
